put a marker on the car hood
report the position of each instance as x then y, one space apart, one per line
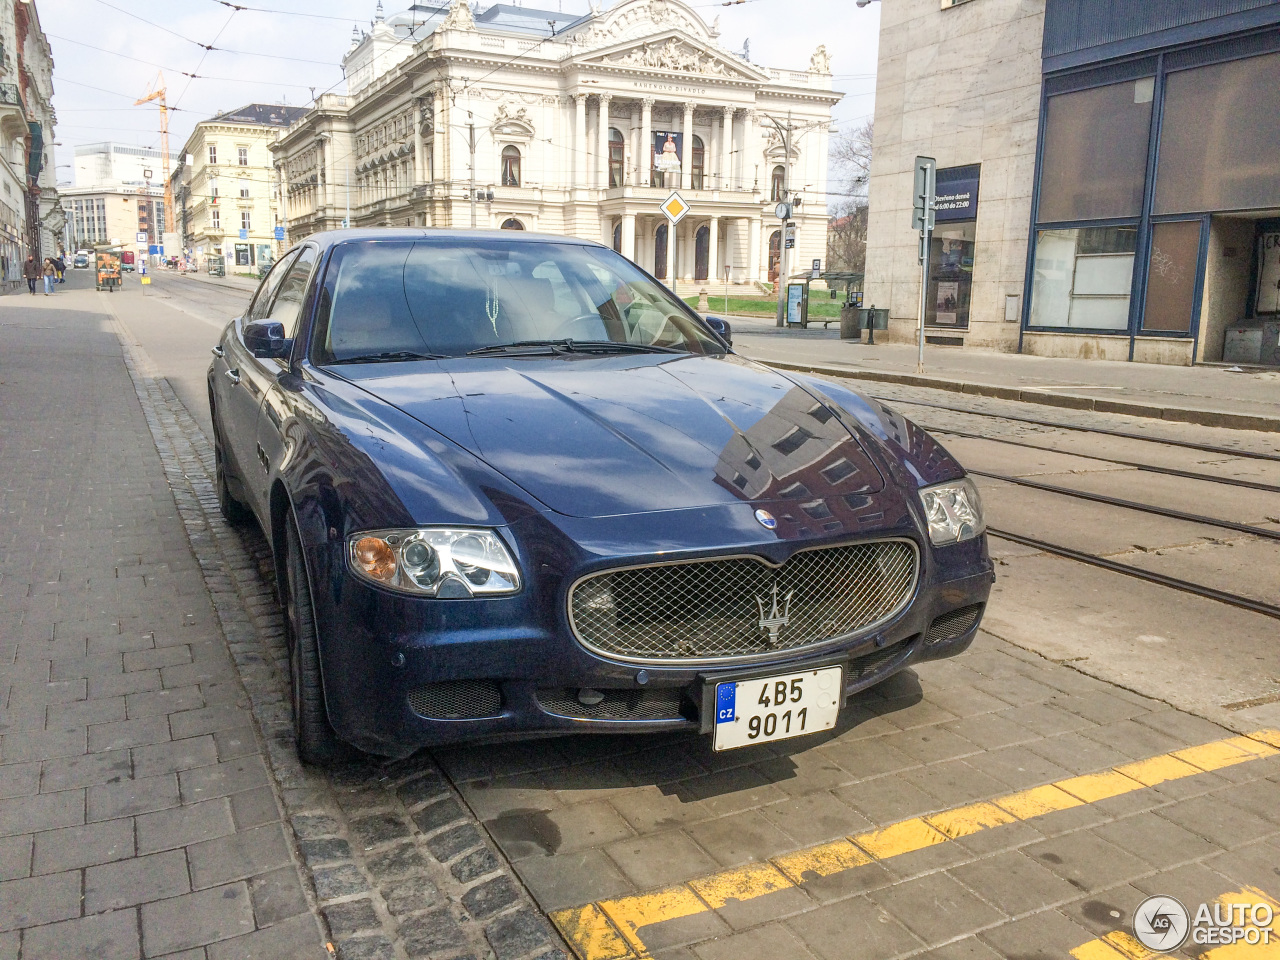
604 436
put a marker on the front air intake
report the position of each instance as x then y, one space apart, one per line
953 624
457 700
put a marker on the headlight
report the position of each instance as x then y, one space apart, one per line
954 511
445 562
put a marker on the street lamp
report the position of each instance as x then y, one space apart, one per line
862 3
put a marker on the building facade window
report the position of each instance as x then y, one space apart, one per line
511 223
775 183
510 166
244 192
697 164
215 219
617 157
213 153
242 156
1082 277
245 220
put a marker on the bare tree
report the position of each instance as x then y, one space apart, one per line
847 231
851 158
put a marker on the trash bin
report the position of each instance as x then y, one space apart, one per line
851 322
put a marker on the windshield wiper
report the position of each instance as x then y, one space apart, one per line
571 346
391 357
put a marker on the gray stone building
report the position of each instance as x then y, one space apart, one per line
1108 180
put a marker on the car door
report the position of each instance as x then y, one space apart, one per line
286 309
243 385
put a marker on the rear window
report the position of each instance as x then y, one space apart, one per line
451 297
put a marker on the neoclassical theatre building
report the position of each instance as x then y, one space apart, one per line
575 125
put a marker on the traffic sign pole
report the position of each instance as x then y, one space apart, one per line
922 218
675 209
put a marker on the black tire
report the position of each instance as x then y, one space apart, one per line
232 510
318 745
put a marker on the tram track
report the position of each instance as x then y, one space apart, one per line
1099 431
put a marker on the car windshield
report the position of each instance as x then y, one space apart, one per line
455 297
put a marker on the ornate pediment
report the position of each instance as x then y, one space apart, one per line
675 54
635 19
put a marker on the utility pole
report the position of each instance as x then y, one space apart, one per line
346 177
471 136
785 207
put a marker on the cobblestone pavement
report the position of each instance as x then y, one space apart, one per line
997 805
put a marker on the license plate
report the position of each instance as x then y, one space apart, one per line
776 708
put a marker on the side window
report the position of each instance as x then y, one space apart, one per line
288 303
266 290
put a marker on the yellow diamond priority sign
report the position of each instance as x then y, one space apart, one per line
674 207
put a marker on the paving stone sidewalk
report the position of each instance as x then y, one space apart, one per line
137 816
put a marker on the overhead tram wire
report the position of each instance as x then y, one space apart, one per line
167 69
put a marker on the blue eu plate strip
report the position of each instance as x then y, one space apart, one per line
726 700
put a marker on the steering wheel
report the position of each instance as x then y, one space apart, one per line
578 329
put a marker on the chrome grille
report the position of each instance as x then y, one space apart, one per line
714 609
955 623
457 700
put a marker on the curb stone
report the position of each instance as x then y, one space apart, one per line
1206 418
396 864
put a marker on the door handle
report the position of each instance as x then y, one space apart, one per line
233 375
216 351
263 459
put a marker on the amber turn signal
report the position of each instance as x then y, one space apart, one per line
376 558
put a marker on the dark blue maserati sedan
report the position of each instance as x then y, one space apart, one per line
514 487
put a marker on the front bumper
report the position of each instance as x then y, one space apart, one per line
401 673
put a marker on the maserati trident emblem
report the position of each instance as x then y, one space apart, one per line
766 519
775 620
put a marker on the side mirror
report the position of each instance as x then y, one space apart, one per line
722 328
265 339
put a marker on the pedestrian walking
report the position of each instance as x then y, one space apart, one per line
31 270
50 275
60 264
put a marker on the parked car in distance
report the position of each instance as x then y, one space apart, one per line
80 260
514 486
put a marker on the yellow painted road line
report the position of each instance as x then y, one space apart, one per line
610 929
1121 945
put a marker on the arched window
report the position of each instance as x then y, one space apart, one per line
617 237
511 223
775 255
510 166
616 157
698 164
775 192
660 252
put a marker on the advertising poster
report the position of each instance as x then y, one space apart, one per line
946 301
795 298
1269 273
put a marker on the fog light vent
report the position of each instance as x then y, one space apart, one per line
954 623
864 666
457 700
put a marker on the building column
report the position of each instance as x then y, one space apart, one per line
580 139
714 272
629 236
724 161
602 140
686 155
645 158
633 137
750 156
606 231
753 249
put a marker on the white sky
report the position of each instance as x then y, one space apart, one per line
94 89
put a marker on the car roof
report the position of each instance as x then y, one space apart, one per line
330 237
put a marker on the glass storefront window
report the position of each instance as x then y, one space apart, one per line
950 275
1171 276
1095 152
1083 277
1218 138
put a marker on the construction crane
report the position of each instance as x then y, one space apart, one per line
157 93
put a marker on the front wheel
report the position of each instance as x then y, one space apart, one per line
318 745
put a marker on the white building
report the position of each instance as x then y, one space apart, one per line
568 129
229 188
116 164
